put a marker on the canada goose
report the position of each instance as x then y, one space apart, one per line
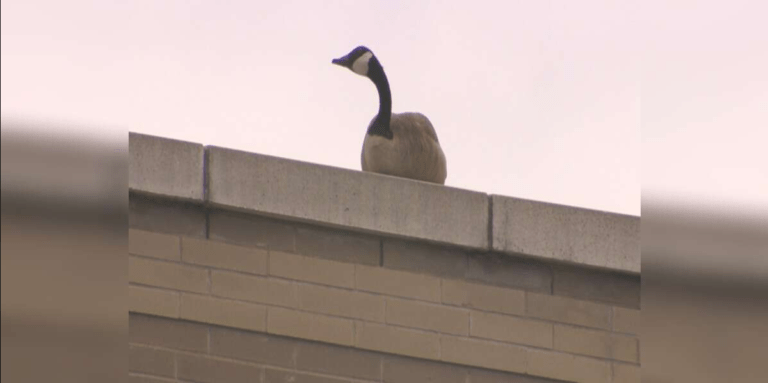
398 144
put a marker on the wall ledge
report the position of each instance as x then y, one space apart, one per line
383 205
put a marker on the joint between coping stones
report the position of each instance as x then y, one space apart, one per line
490 222
206 186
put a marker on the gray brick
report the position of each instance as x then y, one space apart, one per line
251 230
425 258
152 361
338 245
610 287
510 271
205 369
278 376
337 360
261 348
166 216
411 370
169 333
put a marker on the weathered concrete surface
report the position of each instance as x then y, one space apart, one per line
349 199
564 233
165 167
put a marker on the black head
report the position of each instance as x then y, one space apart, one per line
356 60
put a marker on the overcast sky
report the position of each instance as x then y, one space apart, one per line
532 99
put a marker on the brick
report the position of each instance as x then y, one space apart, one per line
224 256
251 230
427 316
482 353
223 312
169 333
161 215
251 288
409 370
339 302
337 360
311 269
511 329
397 283
132 378
303 325
510 271
260 348
397 340
477 375
568 367
483 297
169 275
208 370
338 245
147 300
279 376
424 258
626 320
626 373
602 286
151 361
154 245
595 343
568 310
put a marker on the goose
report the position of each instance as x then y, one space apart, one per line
397 144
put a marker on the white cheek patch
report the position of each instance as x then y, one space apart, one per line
360 66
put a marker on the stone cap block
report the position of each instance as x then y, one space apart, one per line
347 199
564 233
165 167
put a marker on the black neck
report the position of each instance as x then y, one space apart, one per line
380 125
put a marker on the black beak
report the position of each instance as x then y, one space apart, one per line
343 61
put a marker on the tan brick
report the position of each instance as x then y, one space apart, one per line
251 346
397 283
397 340
147 300
595 343
280 376
251 230
148 379
166 274
338 360
223 312
427 316
170 333
411 370
156 245
568 310
311 269
152 361
511 329
569 367
166 216
626 373
482 353
424 258
208 370
626 320
338 245
223 255
303 325
340 302
251 288
483 297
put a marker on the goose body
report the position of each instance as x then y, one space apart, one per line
397 144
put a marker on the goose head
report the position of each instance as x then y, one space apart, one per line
357 60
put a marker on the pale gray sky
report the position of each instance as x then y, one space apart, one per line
533 99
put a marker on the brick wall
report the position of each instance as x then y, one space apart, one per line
240 276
